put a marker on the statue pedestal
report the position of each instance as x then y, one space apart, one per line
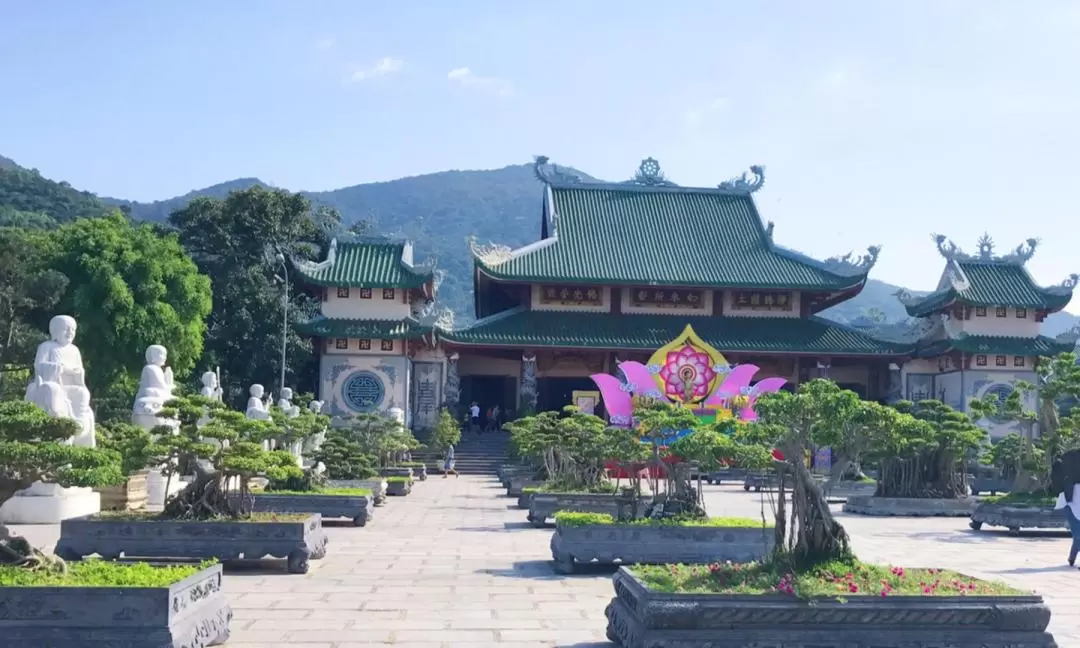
155 489
49 504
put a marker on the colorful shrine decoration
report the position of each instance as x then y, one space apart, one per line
687 372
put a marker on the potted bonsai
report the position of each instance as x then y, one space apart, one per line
137 449
213 516
348 465
86 598
812 588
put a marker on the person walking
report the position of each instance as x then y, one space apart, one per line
496 418
448 463
474 417
1069 499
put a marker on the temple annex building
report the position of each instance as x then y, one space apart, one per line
612 278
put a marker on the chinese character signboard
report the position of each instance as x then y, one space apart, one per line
766 300
667 297
571 295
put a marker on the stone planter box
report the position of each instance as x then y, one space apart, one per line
910 506
129 496
295 540
398 488
760 481
991 485
641 618
545 505
655 545
420 471
519 472
518 484
192 612
376 486
397 471
524 499
358 508
1015 517
844 491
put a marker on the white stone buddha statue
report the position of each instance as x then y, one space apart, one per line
210 387
155 387
285 403
257 408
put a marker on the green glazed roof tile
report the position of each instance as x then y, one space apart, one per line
365 264
609 233
995 345
362 328
519 327
992 283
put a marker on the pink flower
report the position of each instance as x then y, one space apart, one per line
687 372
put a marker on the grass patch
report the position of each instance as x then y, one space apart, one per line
1028 499
101 573
397 480
831 580
605 488
411 464
354 492
576 519
147 516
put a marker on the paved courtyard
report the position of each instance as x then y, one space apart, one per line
454 565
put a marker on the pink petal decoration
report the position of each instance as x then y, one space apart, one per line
767 386
638 375
737 378
616 401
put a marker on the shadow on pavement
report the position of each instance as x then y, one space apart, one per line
962 536
544 570
504 526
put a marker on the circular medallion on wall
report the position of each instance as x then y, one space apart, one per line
363 391
998 392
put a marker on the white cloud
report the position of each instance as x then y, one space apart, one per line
465 77
697 116
381 68
326 44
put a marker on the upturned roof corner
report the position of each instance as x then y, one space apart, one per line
1020 255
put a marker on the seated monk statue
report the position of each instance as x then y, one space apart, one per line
155 384
256 407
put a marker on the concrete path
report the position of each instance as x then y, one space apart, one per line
453 565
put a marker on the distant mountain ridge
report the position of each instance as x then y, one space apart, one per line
438 211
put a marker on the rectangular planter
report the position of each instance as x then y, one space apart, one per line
296 541
398 488
544 505
524 499
1015 517
727 474
760 481
377 487
518 484
129 496
396 471
844 490
642 618
655 545
512 472
910 506
419 472
358 508
192 612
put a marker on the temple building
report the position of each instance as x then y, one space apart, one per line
619 270
979 330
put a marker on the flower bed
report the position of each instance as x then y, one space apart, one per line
1018 511
105 604
910 506
851 605
599 538
296 537
544 505
356 504
398 486
377 487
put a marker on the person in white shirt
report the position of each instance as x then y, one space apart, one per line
474 417
1072 510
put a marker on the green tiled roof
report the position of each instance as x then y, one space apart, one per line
365 264
524 328
604 233
995 345
991 283
363 328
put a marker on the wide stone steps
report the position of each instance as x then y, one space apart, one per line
475 455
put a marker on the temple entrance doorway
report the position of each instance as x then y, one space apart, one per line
556 393
489 391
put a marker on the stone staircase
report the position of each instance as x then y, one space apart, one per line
475 455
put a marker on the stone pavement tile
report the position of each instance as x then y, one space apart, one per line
495 624
243 614
464 637
543 614
560 637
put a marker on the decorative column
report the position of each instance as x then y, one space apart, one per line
894 393
452 389
823 366
528 394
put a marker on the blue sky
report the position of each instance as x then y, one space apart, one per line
877 122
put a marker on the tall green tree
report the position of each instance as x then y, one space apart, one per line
236 242
130 286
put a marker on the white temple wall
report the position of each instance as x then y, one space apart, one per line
366 303
352 384
988 321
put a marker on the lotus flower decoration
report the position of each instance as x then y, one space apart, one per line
687 374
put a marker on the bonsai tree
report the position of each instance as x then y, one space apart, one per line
536 439
136 446
33 447
381 437
447 432
230 452
344 457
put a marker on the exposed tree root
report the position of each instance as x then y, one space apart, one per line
16 551
205 498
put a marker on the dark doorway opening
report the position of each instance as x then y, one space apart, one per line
489 391
855 387
556 393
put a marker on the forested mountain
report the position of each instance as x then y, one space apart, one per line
438 211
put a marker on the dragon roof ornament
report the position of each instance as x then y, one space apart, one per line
745 184
649 174
437 316
490 253
1019 255
906 297
852 264
547 172
1065 287
309 267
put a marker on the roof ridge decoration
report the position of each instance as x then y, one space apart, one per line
649 174
906 297
1065 287
306 266
436 316
744 184
850 264
1018 256
490 254
548 172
